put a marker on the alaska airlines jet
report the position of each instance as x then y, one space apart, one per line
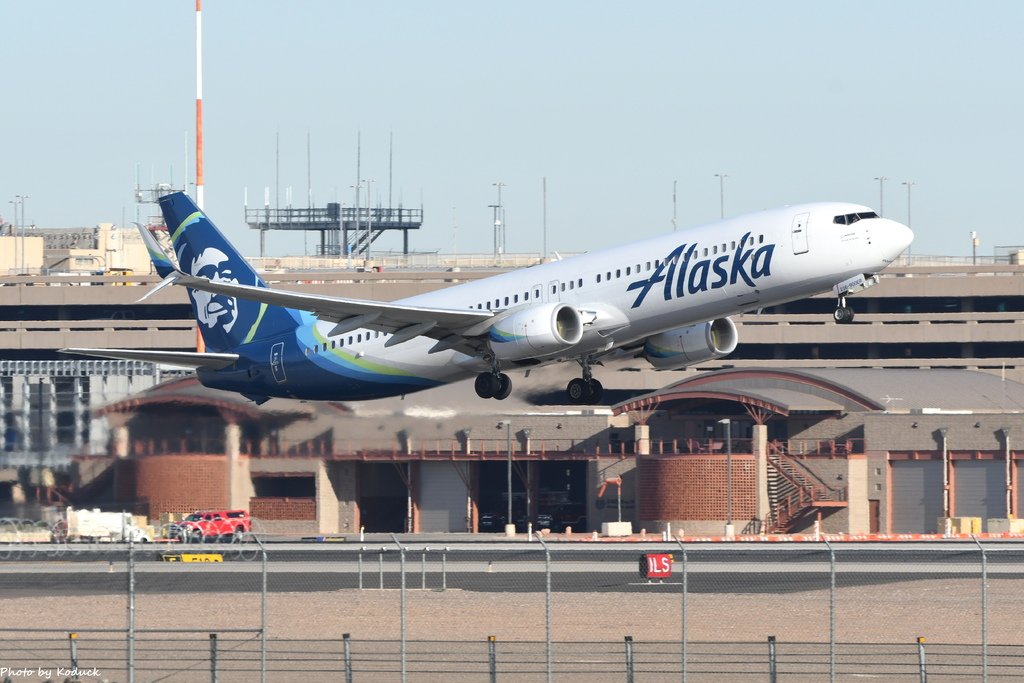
666 299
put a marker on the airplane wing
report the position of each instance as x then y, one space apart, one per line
348 313
453 328
338 309
184 359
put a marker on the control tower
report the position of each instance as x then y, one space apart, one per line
344 230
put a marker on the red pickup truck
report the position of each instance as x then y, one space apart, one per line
204 524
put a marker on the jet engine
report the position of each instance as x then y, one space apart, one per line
685 346
536 331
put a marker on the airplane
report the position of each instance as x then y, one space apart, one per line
667 299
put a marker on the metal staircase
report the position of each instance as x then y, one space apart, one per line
794 492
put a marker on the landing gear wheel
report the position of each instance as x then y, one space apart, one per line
843 315
504 387
579 390
596 391
487 385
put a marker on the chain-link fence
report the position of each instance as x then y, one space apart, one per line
404 610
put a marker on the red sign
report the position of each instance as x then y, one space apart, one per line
656 565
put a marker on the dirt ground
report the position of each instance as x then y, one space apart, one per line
943 611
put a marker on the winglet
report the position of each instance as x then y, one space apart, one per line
161 261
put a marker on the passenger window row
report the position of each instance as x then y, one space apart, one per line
341 343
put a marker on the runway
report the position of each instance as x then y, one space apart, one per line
497 568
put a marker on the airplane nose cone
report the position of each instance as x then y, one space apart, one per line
898 237
904 236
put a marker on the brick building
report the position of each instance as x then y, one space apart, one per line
861 450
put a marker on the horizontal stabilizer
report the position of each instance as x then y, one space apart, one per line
184 359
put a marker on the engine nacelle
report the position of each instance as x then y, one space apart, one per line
688 345
536 331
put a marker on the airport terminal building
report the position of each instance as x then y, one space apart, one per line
891 423
805 446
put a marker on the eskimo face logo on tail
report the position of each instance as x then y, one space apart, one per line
682 274
214 310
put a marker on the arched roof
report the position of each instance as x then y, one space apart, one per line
783 392
189 392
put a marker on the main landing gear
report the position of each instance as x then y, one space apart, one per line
843 314
493 384
586 389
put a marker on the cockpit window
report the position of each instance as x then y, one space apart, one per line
851 218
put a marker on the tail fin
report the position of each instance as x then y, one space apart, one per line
225 322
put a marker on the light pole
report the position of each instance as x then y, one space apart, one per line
24 265
14 227
974 247
499 222
881 195
19 229
369 218
674 226
348 249
909 184
730 530
721 192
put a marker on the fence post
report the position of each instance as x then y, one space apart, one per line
131 607
984 610
347 650
547 604
629 659
773 673
263 610
831 612
682 551
213 658
492 659
401 603
922 670
73 641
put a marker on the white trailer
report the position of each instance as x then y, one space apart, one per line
95 525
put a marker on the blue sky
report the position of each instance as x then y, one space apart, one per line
610 101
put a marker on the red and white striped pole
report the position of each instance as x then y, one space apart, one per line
199 104
200 344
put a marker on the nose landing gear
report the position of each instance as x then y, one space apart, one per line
843 314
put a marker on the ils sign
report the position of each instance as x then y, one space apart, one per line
656 565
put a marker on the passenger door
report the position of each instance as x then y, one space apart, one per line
800 233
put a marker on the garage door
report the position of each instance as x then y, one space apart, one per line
442 497
980 487
916 495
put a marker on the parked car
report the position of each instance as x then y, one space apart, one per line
206 524
490 522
